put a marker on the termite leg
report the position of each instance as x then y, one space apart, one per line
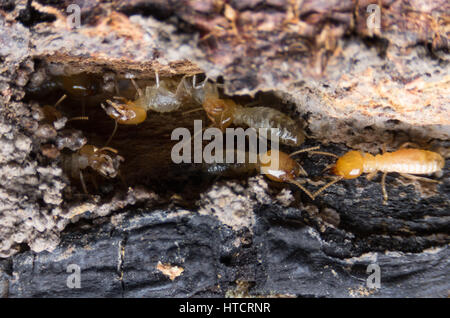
157 79
309 150
409 144
327 186
112 134
371 175
194 80
302 171
251 104
83 184
115 121
409 176
181 89
383 187
330 166
139 91
302 188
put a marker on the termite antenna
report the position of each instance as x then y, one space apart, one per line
409 176
327 186
60 100
324 153
115 106
109 149
295 182
312 151
304 150
78 118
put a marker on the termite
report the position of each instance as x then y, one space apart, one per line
406 161
158 98
224 112
53 116
80 85
275 165
104 161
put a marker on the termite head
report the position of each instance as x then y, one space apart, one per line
220 111
350 165
80 85
104 160
278 166
127 113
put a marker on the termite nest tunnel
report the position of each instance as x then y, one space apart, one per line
67 102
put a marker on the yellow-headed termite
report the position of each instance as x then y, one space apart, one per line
224 111
104 161
275 165
406 161
158 98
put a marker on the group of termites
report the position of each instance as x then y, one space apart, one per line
223 112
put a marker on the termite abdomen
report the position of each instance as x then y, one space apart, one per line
288 131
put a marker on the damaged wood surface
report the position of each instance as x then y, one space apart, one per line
284 257
353 86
